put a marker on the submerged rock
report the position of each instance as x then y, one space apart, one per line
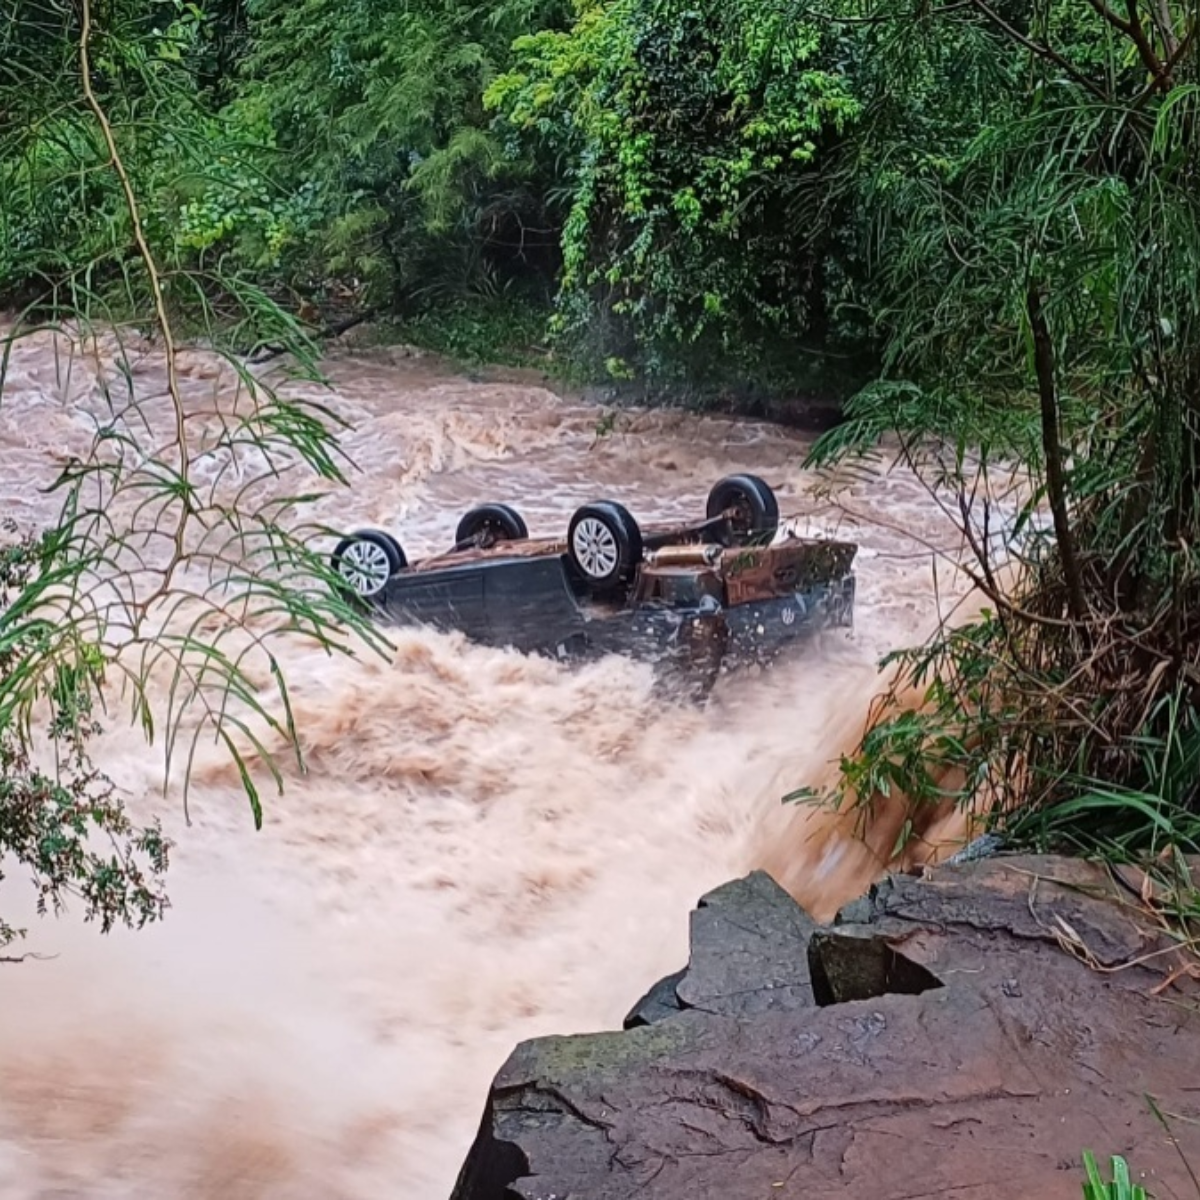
941 1038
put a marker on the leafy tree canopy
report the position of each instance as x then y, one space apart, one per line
1038 283
687 127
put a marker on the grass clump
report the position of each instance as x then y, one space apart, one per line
1121 1187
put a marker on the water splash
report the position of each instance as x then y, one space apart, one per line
485 847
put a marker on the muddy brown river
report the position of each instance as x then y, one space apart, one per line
486 847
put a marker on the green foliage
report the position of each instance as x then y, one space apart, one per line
379 134
687 127
180 555
1040 285
476 331
1121 1187
335 152
65 218
406 156
50 822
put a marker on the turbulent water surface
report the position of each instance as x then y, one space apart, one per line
486 846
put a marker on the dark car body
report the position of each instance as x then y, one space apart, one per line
724 592
702 607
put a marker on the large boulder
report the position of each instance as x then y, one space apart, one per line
962 1036
743 956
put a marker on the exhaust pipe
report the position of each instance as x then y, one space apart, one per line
685 556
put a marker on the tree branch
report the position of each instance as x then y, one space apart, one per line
1160 12
1168 70
1131 26
1137 32
1111 17
266 353
1039 48
160 308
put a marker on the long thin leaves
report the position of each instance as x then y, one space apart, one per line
181 563
1039 281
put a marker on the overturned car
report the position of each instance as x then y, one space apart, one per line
724 591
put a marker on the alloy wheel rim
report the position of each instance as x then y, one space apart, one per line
596 548
366 567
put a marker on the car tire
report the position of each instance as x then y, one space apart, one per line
604 543
365 561
756 516
491 523
399 557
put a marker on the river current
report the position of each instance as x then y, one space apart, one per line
486 846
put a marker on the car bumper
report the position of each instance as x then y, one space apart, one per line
760 630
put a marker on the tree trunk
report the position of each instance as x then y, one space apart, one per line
1043 359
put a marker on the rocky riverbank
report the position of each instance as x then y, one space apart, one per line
965 1035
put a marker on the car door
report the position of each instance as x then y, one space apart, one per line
530 604
449 598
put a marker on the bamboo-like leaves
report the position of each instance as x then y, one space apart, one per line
180 569
1071 709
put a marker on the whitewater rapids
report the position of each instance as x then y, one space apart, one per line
487 847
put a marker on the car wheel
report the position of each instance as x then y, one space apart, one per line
399 558
366 560
491 523
605 544
753 511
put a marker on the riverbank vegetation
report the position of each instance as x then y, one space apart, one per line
1043 305
979 220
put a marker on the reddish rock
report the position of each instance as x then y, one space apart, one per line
937 1040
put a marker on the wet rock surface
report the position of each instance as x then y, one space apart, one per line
744 960
941 1038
